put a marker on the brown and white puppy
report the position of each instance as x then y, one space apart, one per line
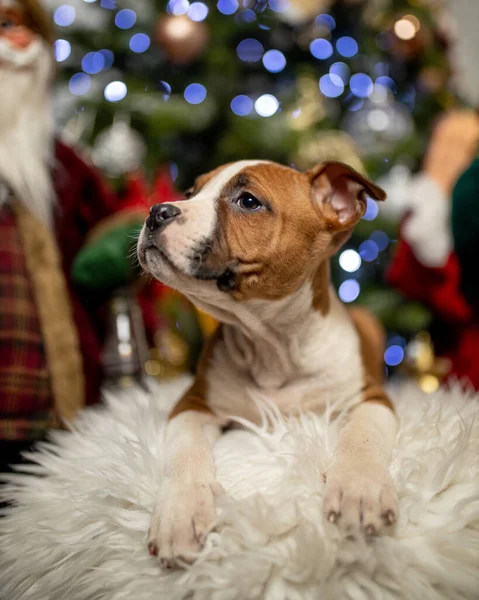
251 246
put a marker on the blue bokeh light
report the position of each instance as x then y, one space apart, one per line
62 50
250 50
349 290
115 91
125 19
331 86
109 57
278 5
380 239
372 210
368 251
198 11
321 48
79 84
93 62
227 7
387 82
64 15
341 70
274 61
165 87
347 46
246 16
326 21
173 170
178 7
394 356
361 85
195 93
139 43
242 105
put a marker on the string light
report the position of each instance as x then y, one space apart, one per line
125 19
242 105
139 43
278 5
115 91
93 62
195 93
341 70
109 58
347 46
178 7
198 11
79 84
250 50
372 210
361 85
393 356
62 50
321 48
246 16
274 61
227 7
331 85
266 105
407 27
349 290
368 251
380 239
349 261
327 21
64 15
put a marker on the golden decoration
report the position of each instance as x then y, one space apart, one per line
309 108
423 365
182 39
328 145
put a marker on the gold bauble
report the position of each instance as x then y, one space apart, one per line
328 145
182 39
297 12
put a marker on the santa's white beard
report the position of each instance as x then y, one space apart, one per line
26 127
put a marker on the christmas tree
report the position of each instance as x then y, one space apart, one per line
191 85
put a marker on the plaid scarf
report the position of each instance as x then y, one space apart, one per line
26 400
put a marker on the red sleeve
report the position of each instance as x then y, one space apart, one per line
437 288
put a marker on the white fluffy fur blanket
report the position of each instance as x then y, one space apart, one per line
79 532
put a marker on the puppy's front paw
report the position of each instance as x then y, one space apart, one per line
360 498
182 518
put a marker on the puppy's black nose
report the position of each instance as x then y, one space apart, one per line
161 215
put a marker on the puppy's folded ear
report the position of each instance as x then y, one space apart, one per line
339 193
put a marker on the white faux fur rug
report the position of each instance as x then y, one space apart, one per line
79 532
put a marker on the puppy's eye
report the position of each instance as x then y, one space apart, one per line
7 23
248 202
190 193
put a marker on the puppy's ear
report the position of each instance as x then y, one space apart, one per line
339 193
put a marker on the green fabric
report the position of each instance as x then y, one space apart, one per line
110 261
465 230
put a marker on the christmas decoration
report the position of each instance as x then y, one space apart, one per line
380 125
119 149
296 12
422 365
125 351
182 39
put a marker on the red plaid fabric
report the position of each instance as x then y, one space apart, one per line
26 402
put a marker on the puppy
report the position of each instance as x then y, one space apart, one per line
251 246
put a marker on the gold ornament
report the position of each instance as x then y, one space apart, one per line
182 39
423 365
328 145
296 12
309 108
169 357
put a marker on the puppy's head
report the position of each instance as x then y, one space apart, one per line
254 229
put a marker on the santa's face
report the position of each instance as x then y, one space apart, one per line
20 47
26 124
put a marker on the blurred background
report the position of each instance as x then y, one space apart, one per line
176 88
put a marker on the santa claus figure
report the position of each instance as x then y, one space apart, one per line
52 206
436 261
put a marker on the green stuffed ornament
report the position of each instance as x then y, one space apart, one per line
109 260
465 230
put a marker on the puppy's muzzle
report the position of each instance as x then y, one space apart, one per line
161 215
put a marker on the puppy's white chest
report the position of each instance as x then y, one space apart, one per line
329 371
